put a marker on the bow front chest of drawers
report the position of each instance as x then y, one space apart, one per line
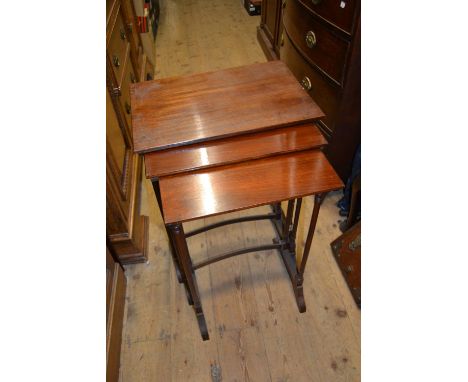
320 41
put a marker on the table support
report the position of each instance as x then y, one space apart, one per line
174 253
286 229
288 251
175 260
180 244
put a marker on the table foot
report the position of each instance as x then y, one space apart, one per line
299 294
289 260
202 323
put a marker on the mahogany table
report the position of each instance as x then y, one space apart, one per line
227 141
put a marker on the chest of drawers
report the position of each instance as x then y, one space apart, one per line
126 64
319 40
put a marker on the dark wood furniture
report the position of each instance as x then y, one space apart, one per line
208 153
347 252
320 41
126 64
270 28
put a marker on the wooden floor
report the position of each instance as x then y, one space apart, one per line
256 331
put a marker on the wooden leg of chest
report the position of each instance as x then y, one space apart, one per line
180 244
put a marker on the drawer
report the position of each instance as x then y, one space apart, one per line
315 41
339 13
117 47
129 77
326 95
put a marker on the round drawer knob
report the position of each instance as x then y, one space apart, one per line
306 83
310 38
316 2
123 35
128 109
116 61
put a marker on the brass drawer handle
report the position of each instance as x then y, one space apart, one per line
116 61
306 83
123 35
132 78
311 40
316 2
128 109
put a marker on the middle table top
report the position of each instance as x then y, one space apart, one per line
201 107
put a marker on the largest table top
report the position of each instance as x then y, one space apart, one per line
201 107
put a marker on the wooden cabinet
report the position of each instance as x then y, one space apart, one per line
320 41
269 31
127 229
115 304
322 47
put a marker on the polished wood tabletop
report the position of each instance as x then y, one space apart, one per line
201 107
223 189
232 150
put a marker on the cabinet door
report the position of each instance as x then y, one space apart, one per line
118 166
270 9
118 148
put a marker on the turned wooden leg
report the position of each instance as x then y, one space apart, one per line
289 217
175 259
182 272
299 279
180 243
296 217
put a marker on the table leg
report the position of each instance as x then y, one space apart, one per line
175 259
289 217
180 243
296 217
299 279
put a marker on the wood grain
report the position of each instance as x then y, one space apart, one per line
233 150
182 110
234 187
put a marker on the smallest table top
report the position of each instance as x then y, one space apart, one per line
239 186
201 107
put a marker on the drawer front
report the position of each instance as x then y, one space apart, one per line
324 94
117 48
129 77
339 13
320 46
